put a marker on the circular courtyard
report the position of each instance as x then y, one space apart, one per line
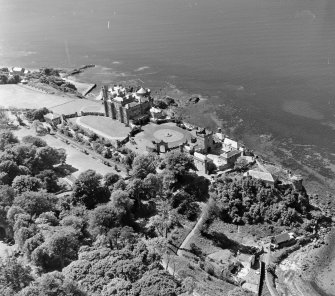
168 135
166 132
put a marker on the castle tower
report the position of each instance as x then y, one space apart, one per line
297 182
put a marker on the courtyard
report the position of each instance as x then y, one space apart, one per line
103 126
167 132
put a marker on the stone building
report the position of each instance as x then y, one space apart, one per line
126 106
205 142
296 182
201 162
157 113
231 156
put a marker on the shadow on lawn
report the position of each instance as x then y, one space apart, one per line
222 241
65 170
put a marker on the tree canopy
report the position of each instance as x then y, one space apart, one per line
179 163
88 189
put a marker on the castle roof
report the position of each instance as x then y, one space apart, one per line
141 91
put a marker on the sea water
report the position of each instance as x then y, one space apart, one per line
268 65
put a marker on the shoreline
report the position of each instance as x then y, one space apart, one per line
299 273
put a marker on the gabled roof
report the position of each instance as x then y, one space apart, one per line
141 91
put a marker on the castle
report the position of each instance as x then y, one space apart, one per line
126 105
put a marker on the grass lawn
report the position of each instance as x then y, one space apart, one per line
20 96
12 95
178 234
77 105
104 126
206 245
205 284
245 234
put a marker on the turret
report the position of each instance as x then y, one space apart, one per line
296 182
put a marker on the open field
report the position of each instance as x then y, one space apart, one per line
20 96
77 105
205 284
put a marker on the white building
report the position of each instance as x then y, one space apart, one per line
17 71
229 144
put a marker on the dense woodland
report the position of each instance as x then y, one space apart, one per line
249 201
106 237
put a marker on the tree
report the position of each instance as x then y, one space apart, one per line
241 164
12 214
11 170
179 163
98 265
35 203
103 218
189 284
47 218
63 245
144 165
153 186
120 185
7 138
26 183
136 190
37 114
156 283
3 79
47 157
22 234
49 180
88 190
22 155
238 291
52 284
31 244
117 286
7 195
14 79
110 179
36 141
163 220
13 274
121 202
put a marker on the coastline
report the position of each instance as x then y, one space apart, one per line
309 271
204 113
